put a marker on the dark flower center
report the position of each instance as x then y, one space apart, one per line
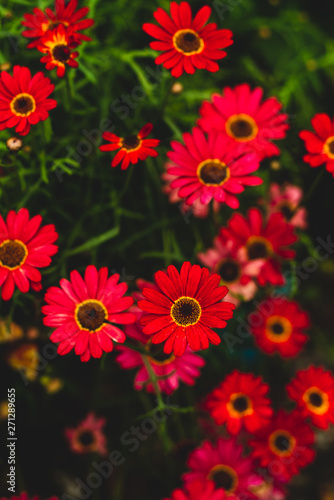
186 311
212 172
23 105
282 443
224 477
158 354
53 26
13 253
257 248
229 270
331 147
315 399
287 211
131 142
91 315
277 328
187 41
241 128
61 53
240 404
86 438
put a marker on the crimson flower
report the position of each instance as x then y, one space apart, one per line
185 308
57 45
23 99
187 44
320 145
131 148
198 490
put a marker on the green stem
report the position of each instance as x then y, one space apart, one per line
69 92
314 185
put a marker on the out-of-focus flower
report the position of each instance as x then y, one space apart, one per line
14 144
198 490
88 436
320 145
25 359
286 199
51 384
10 332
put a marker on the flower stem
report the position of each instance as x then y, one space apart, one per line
314 185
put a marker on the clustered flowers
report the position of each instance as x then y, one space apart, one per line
164 328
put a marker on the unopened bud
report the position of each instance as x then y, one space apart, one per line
14 144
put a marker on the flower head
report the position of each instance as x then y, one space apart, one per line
278 326
187 44
320 145
240 400
131 148
24 246
81 310
168 369
313 391
284 444
57 45
262 240
25 359
23 99
240 114
185 308
88 437
24 496
40 22
286 199
198 490
209 168
224 465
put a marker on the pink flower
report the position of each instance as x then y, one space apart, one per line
88 437
286 199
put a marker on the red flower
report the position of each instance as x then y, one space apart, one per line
260 240
240 114
80 308
321 144
198 490
240 400
40 22
24 496
132 148
284 445
210 168
23 247
186 307
278 326
187 44
58 44
23 100
313 391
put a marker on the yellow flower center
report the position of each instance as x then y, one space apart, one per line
282 443
224 477
241 127
239 405
258 248
278 329
328 148
90 315
186 311
188 42
131 143
23 105
316 400
13 254
213 172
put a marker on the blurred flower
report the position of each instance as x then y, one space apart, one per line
240 400
132 148
23 99
235 270
58 45
262 240
313 391
198 490
240 114
168 369
320 144
284 445
88 437
286 199
24 496
51 384
177 88
279 326
3 410
25 358
210 168
10 332
224 465
81 308
64 15
5 66
185 308
14 144
24 246
187 44
268 491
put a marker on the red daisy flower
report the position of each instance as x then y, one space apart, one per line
198 490
187 44
260 240
24 496
58 45
284 445
211 168
278 326
88 436
240 114
321 144
313 391
40 22
185 308
241 399
23 247
23 99
132 148
80 308
224 465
